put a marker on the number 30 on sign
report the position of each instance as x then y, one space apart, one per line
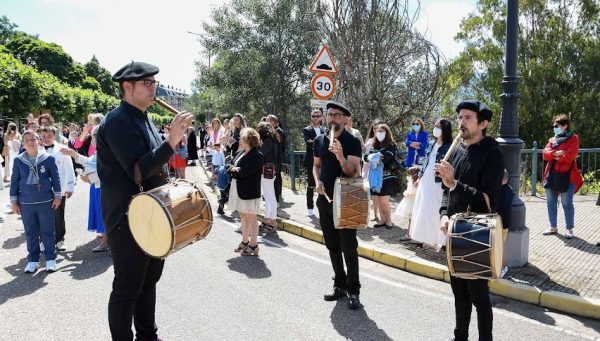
322 86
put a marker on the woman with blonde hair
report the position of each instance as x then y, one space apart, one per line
244 195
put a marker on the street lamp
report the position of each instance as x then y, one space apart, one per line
198 39
509 140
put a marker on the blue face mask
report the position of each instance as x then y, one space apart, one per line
558 131
416 128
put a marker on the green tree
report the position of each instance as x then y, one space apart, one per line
7 29
103 76
558 64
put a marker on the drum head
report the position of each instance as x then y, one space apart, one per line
150 225
497 245
337 202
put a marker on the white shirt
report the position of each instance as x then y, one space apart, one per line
65 168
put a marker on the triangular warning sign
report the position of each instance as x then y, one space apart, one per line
323 62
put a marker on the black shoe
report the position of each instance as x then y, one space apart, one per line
335 295
378 225
354 302
220 210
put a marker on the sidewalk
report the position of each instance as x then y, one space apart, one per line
561 274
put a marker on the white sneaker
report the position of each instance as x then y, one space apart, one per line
50 266
310 212
569 234
503 271
42 248
31 267
60 246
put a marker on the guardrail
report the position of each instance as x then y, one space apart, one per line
532 168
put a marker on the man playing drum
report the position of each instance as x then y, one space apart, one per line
332 159
474 172
127 139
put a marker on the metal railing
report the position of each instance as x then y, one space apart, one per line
532 168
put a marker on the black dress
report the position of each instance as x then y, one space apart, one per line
390 172
192 147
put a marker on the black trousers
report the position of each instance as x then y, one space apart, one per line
310 188
133 297
59 221
469 292
278 183
340 243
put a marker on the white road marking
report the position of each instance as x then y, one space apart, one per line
421 291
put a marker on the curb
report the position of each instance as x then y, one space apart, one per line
551 299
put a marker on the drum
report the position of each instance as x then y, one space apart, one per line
474 246
351 203
168 218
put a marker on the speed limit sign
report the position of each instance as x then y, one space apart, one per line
322 86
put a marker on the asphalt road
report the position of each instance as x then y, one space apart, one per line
208 292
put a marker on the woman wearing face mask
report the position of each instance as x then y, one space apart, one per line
561 157
368 144
416 140
424 225
384 152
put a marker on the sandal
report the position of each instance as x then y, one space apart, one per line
406 238
270 229
250 251
242 246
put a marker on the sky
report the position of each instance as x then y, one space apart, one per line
118 31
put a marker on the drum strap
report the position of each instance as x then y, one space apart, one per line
487 204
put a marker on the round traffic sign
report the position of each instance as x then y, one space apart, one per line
322 86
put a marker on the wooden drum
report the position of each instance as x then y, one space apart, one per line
351 203
474 246
168 218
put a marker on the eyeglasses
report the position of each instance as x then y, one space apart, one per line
316 116
148 82
334 114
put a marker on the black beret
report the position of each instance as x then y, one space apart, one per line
340 106
135 71
481 109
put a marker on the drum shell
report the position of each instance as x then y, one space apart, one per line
180 206
478 253
351 203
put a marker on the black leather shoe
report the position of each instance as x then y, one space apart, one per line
354 302
220 210
335 295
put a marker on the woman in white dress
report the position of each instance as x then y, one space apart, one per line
425 223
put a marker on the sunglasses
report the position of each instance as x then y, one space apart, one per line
317 116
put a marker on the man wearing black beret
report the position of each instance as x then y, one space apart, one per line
472 180
332 159
127 139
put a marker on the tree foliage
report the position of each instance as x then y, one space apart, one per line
558 64
102 76
389 71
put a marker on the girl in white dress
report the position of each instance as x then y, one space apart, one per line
405 208
425 223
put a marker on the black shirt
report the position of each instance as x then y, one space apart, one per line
330 166
125 137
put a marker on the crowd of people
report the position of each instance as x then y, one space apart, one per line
44 161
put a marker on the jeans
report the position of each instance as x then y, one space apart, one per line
268 190
342 246
469 292
567 203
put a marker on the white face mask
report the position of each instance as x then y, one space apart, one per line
380 136
437 132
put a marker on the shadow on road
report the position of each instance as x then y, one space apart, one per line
22 284
355 324
85 264
253 267
14 242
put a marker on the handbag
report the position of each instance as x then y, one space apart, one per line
268 170
558 182
183 151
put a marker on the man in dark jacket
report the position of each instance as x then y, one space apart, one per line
472 180
278 181
127 142
310 132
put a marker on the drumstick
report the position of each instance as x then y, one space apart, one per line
453 147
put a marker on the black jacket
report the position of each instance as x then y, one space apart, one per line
478 169
505 199
125 137
248 177
281 145
309 135
269 150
